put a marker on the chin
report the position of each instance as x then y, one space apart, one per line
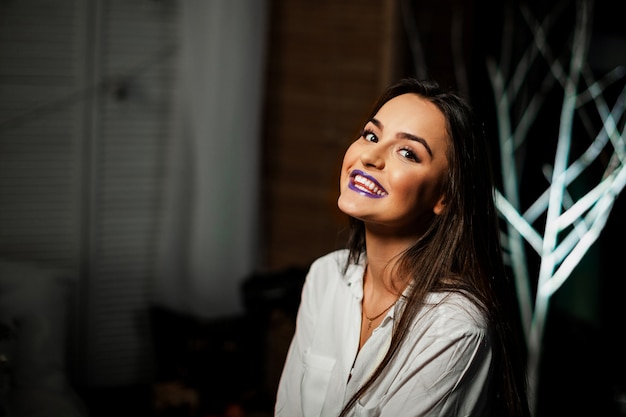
347 207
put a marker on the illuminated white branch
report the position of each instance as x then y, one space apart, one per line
579 186
572 222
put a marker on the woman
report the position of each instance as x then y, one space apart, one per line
417 316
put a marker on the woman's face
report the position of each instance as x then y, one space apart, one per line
392 175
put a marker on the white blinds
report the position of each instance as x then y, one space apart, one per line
137 41
39 148
85 89
86 120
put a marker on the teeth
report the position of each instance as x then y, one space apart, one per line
368 185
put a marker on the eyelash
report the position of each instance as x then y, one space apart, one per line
406 152
366 132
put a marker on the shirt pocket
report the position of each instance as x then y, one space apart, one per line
317 373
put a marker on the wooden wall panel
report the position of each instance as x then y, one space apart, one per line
328 60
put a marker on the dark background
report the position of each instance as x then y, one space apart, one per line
326 63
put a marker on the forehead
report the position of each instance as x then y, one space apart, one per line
410 105
410 113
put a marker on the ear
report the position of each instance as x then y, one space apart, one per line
440 205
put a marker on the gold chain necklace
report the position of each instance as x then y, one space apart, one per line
371 319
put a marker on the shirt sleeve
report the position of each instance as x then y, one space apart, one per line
288 398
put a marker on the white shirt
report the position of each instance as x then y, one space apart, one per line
442 369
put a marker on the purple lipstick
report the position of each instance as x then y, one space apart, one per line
366 185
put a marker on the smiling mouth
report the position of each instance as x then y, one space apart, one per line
366 185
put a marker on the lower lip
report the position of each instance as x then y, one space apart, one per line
363 193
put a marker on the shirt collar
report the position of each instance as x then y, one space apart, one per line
354 278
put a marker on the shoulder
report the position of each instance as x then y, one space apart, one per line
324 282
330 265
453 315
333 260
330 270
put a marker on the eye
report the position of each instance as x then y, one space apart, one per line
369 136
409 154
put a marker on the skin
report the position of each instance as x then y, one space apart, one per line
402 153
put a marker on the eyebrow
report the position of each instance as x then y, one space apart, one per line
405 135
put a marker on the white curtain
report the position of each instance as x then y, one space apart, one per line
209 237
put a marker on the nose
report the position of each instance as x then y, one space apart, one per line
373 157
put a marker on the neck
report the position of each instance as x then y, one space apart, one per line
382 254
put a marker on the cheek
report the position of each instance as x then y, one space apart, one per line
349 159
345 167
404 181
416 189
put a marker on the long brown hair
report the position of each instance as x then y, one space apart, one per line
460 250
